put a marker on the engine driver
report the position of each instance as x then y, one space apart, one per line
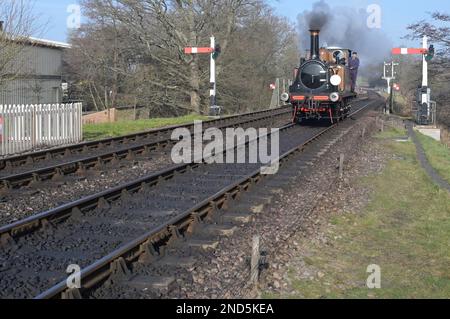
353 65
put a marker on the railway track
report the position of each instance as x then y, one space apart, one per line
112 220
19 171
54 189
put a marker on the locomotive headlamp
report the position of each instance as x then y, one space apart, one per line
334 97
284 97
335 80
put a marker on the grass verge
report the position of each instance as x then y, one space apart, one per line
98 131
437 154
405 229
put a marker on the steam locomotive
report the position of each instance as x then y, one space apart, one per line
322 86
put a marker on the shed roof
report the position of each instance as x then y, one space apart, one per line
36 41
50 43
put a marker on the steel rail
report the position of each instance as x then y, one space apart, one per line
60 170
47 154
27 225
159 236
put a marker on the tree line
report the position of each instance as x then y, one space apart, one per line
131 52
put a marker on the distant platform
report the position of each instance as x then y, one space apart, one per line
431 131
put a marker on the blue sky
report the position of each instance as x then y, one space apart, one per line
396 14
54 14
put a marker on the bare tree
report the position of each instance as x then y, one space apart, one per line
137 47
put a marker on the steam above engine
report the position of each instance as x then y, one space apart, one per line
315 54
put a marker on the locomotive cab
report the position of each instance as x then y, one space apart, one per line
322 85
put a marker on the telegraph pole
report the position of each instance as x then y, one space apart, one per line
389 78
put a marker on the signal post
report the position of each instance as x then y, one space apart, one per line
214 51
426 107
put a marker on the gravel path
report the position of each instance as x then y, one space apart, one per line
432 173
342 197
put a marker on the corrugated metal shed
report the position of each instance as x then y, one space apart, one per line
40 75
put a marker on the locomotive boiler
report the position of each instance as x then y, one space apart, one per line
322 88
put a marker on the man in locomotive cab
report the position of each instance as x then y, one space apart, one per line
353 65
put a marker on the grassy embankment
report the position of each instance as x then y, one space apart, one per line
405 230
437 154
98 131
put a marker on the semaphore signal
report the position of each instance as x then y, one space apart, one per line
214 51
426 108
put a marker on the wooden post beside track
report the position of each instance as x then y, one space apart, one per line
341 166
254 268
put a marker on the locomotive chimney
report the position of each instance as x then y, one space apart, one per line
315 54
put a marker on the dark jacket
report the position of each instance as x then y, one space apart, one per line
353 64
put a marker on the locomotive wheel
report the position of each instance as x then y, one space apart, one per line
346 110
339 114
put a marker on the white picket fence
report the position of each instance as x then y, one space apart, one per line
28 127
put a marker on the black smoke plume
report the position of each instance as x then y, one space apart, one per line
346 27
319 16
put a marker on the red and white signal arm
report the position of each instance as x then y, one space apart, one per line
272 86
398 51
192 50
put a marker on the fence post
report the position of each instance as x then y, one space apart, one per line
24 127
10 130
57 112
16 129
5 130
1 131
38 125
254 270
19 112
341 166
79 110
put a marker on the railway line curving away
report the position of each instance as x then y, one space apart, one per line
116 226
62 183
